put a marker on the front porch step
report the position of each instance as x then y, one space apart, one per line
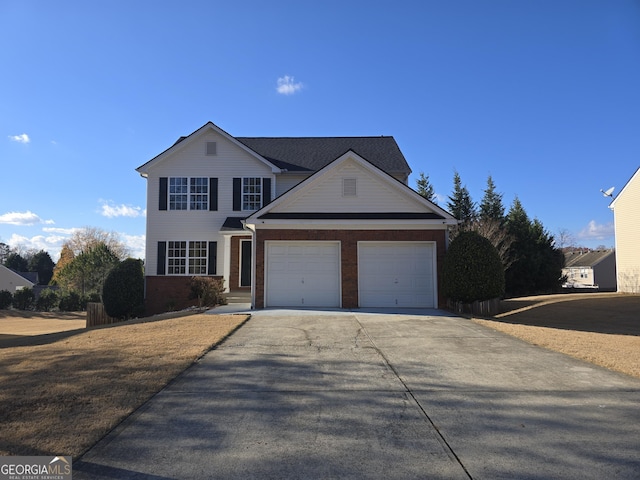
238 296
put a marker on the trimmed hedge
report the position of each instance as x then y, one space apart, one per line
472 270
5 299
123 291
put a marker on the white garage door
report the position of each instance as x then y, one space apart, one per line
396 274
302 274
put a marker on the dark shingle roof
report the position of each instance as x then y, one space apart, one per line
586 259
310 154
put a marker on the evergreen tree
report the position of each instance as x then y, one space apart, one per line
425 188
460 204
66 256
16 262
491 206
87 272
536 266
42 263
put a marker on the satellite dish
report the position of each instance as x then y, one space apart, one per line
609 192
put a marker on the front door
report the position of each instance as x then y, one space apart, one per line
245 263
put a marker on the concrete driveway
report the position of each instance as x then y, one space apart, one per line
374 395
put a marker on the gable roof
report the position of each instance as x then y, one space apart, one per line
424 209
183 141
587 259
8 276
310 154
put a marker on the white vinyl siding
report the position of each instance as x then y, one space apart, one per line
373 194
190 161
627 236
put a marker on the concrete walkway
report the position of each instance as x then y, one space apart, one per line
373 395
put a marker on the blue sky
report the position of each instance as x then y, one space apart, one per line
544 95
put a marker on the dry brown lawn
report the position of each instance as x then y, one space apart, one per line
64 392
600 328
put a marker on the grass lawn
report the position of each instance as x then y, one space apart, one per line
600 328
60 397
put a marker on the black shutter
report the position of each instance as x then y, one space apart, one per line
266 191
237 194
162 258
162 201
213 194
213 258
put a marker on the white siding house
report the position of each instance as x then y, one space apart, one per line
245 209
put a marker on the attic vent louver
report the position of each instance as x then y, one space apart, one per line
349 187
211 148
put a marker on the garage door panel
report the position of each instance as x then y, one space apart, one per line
396 274
303 274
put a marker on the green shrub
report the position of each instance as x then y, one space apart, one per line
123 291
5 299
472 270
47 300
70 302
207 290
24 299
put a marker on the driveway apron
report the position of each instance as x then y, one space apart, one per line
368 395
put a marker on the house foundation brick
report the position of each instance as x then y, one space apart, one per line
168 293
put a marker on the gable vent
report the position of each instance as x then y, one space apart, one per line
211 148
349 187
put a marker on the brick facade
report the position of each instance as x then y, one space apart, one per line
167 293
349 254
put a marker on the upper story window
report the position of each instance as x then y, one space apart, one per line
178 193
188 193
198 194
251 193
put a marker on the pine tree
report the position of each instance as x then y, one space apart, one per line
460 204
425 188
491 206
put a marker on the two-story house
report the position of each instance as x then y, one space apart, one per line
313 222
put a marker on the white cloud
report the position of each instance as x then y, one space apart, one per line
23 218
53 243
112 211
24 138
596 231
287 85
63 231
135 244
48 243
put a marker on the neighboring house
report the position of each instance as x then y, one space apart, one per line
12 281
315 222
626 214
590 269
